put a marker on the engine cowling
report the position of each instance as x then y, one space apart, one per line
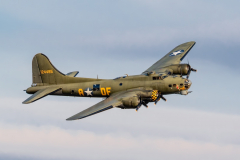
131 102
180 69
151 96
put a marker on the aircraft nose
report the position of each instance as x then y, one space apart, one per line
187 83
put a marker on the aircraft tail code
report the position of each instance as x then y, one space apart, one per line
44 72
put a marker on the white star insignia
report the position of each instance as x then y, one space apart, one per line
89 93
176 53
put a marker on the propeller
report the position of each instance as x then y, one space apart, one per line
189 70
159 97
141 103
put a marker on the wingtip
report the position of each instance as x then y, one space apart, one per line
70 119
191 42
25 102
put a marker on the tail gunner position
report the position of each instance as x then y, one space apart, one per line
127 92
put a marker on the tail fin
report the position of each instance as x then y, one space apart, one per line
44 72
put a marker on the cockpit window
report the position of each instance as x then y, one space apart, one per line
116 78
119 77
164 77
156 78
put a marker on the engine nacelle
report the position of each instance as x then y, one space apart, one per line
131 102
180 69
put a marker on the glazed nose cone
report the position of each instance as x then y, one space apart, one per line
187 83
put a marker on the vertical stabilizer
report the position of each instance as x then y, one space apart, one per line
44 72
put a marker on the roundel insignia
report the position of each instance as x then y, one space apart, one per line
176 53
88 92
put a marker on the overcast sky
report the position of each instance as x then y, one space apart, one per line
110 39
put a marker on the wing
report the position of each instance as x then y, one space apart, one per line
175 56
110 102
40 94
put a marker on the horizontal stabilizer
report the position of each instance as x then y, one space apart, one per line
72 74
40 94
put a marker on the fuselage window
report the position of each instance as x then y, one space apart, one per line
164 77
170 85
174 85
120 84
96 87
156 78
181 85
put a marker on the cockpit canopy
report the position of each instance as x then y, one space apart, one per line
119 77
160 77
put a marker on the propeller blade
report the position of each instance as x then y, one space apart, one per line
145 105
164 98
158 99
139 105
189 71
194 70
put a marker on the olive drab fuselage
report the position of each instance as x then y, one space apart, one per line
105 88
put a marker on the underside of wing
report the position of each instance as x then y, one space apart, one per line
175 56
97 108
111 102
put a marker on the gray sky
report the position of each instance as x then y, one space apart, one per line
110 39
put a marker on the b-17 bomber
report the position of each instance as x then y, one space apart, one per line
166 76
